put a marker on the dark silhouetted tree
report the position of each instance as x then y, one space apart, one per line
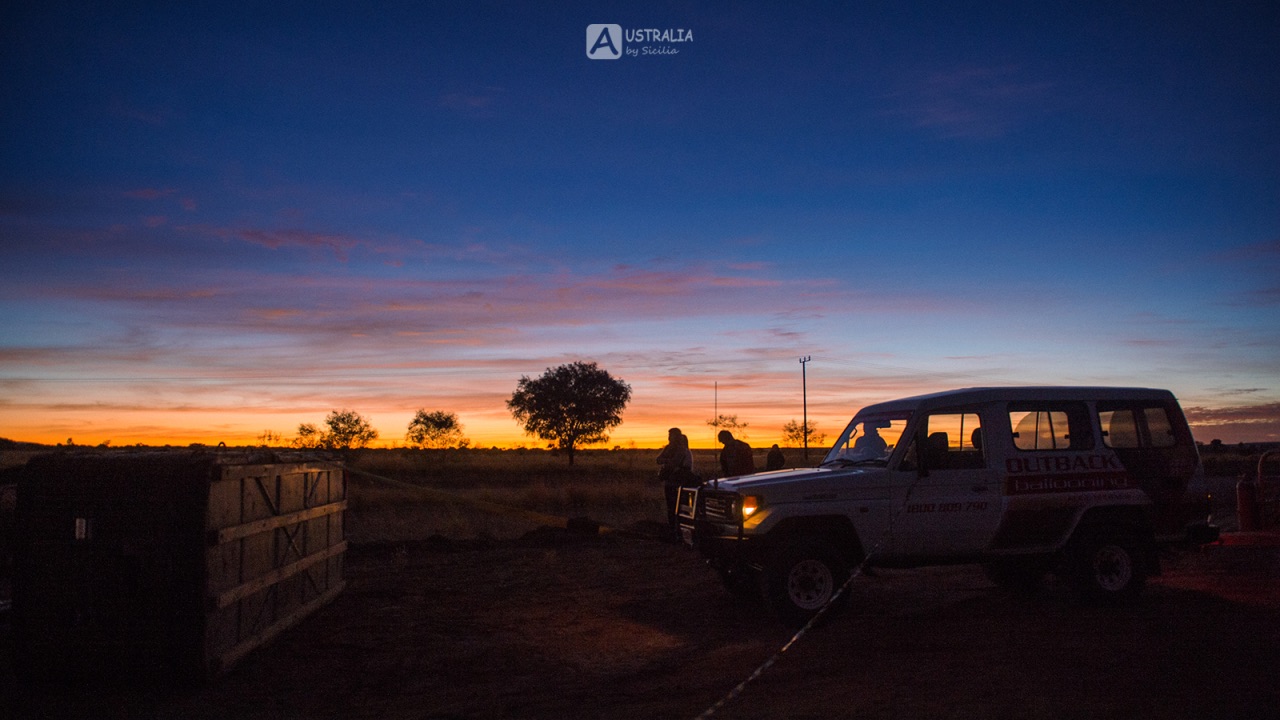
436 429
309 436
571 405
347 430
793 434
730 423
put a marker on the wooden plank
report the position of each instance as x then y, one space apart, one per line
227 535
235 594
231 657
242 472
224 504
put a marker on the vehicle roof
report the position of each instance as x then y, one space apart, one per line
965 396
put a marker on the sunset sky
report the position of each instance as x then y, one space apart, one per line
222 221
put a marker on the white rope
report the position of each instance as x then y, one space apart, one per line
764 667
735 692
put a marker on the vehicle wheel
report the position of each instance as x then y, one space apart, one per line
1105 564
1019 575
801 579
741 582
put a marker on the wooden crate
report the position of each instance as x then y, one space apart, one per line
170 563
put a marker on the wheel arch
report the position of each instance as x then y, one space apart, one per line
834 530
1134 518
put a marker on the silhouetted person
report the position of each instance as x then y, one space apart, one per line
675 469
736 458
775 460
871 445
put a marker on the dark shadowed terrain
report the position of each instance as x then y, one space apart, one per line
628 625
558 627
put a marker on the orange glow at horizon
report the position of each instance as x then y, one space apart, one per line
485 422
239 432
644 425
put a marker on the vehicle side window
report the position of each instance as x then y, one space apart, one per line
1050 426
1158 427
1119 428
1132 427
953 441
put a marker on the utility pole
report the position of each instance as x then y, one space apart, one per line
804 391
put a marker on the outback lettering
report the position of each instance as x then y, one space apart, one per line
1062 464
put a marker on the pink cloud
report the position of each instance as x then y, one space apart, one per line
1249 423
1266 413
276 239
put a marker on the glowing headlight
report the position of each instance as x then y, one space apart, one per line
750 504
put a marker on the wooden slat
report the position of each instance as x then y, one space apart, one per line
244 472
235 594
232 656
226 535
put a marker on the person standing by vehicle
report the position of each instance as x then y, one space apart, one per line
736 458
675 469
775 459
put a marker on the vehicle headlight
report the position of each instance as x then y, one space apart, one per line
750 504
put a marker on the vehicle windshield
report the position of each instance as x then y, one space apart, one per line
869 439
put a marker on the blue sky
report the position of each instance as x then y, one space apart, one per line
230 219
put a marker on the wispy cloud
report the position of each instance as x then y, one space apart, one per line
1255 422
474 102
149 193
969 101
1265 413
276 239
154 116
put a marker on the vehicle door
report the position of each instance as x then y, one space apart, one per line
953 505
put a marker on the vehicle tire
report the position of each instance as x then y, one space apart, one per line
800 580
1018 575
1106 564
741 582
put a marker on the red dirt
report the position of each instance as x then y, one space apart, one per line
558 627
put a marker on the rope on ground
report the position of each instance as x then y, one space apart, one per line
773 659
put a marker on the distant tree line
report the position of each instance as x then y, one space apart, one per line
570 406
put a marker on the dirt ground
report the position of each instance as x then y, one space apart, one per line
553 626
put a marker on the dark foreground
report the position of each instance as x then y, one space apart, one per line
620 627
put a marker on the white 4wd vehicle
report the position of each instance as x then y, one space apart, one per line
1084 482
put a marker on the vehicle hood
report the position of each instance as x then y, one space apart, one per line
805 480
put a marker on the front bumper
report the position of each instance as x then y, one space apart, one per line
708 521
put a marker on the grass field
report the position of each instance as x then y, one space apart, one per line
404 495
395 495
